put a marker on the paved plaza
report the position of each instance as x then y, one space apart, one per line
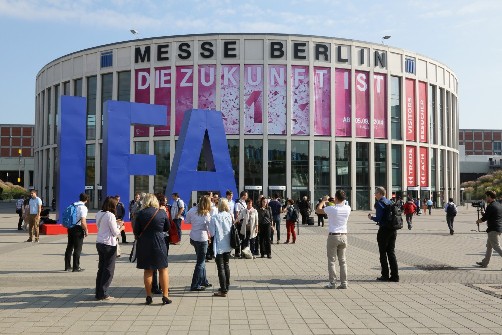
440 292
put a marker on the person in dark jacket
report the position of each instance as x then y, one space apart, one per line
493 218
264 228
120 216
386 238
304 207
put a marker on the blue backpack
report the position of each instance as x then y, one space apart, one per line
70 216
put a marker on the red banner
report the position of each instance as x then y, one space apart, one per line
142 94
424 167
184 94
411 177
163 87
362 104
410 109
422 111
380 106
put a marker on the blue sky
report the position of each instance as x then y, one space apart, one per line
463 34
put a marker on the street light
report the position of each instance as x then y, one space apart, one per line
134 31
386 37
20 152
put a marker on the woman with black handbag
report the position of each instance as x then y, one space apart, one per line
151 253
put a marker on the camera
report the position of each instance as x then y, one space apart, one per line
476 204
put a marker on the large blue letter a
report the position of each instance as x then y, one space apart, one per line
201 130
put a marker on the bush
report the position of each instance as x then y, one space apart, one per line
10 191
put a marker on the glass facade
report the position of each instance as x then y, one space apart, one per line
141 182
66 88
380 164
300 169
56 107
432 114
397 168
106 94
90 166
253 163
233 149
124 86
441 116
362 176
50 116
433 160
322 168
343 167
161 150
395 108
77 87
277 163
91 107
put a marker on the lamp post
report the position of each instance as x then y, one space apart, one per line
20 152
386 37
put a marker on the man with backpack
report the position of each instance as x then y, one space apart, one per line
409 209
76 234
177 212
451 211
386 236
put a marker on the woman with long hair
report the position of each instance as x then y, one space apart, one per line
249 228
199 239
106 244
264 228
151 254
162 206
219 227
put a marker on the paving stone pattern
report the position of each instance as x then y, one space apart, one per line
282 295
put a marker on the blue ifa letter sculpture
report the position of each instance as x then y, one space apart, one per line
118 163
201 129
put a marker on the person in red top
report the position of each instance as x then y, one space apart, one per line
409 208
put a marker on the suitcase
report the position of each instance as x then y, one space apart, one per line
310 221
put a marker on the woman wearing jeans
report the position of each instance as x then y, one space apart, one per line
106 244
219 227
199 240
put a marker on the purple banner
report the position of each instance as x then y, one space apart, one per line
207 87
362 119
322 101
184 94
380 106
230 105
300 100
343 125
253 99
163 87
277 99
142 94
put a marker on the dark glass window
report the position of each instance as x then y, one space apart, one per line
432 112
397 168
66 88
299 169
106 94
441 116
161 150
448 120
433 169
91 107
56 107
233 149
77 87
49 117
277 162
141 182
253 162
322 169
90 171
362 176
395 108
343 164
381 164
106 59
124 86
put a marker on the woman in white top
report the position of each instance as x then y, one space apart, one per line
106 244
249 228
219 227
199 240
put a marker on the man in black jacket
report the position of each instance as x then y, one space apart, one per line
493 217
304 207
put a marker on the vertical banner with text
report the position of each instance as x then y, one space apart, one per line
253 99
411 172
424 167
362 104
142 94
207 87
184 94
230 95
163 87
422 112
322 101
380 106
300 100
410 109
277 99
343 126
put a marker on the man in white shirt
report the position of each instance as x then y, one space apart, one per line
231 203
177 209
76 236
338 216
34 215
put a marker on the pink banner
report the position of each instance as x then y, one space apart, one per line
424 167
362 104
230 94
410 109
379 106
343 126
142 94
422 111
184 94
411 177
207 87
322 101
253 99
277 99
163 87
300 100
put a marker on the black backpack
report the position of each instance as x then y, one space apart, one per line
293 215
235 242
393 216
451 210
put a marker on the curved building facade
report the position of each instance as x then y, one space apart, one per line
304 115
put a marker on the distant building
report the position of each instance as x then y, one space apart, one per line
16 154
480 152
